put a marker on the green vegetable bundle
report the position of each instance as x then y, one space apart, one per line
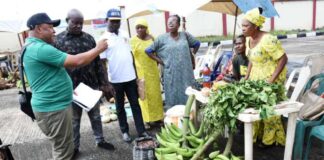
228 101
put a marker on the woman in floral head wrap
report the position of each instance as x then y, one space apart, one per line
267 62
147 69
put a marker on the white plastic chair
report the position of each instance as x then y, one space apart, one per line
298 87
219 50
200 60
303 76
289 82
210 57
316 63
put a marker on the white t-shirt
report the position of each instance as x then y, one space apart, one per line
119 56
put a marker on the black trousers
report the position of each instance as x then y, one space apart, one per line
130 88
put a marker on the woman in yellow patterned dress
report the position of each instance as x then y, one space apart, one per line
147 69
267 62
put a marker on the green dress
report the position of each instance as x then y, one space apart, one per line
177 70
265 58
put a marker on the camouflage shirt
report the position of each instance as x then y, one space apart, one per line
92 74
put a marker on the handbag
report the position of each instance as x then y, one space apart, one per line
193 61
25 96
313 103
141 88
140 83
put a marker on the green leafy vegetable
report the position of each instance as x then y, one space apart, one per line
228 101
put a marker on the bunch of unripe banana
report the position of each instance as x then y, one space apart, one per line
217 156
172 147
171 139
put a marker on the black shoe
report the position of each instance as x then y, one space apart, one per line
75 153
144 134
127 138
106 145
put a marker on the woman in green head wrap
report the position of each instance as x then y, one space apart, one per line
267 62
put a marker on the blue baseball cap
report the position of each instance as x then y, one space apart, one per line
114 14
41 18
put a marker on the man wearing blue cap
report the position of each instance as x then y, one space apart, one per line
50 84
122 74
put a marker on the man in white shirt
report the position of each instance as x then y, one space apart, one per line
122 74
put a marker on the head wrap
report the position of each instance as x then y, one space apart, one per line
255 17
143 22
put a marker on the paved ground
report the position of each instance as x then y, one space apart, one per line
298 49
28 143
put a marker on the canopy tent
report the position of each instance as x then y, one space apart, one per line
221 6
268 9
235 7
181 7
187 7
229 7
138 8
146 7
14 26
14 13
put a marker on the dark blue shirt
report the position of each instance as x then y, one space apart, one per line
91 74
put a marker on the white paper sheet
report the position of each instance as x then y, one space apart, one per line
86 97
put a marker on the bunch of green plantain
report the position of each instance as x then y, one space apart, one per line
171 139
217 156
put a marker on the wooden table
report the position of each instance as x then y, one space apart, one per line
249 116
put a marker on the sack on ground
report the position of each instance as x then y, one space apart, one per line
141 88
25 104
175 115
313 104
